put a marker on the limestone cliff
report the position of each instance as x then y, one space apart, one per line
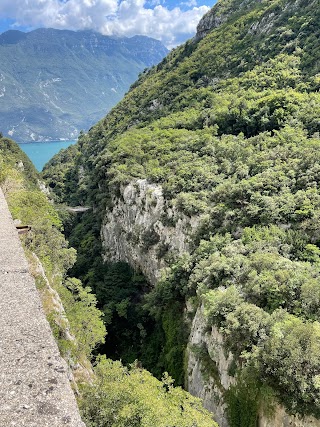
141 229
211 384
134 230
219 14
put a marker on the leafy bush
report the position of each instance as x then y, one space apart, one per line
131 397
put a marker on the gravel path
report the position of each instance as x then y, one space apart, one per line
34 387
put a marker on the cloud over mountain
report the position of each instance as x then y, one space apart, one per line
110 17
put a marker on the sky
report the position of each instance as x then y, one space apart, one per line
171 21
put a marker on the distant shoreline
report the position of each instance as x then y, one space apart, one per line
40 152
47 141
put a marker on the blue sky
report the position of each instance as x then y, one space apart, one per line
170 21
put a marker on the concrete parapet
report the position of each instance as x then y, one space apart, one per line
35 390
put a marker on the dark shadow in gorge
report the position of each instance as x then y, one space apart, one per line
133 334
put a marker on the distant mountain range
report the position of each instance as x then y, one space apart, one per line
54 83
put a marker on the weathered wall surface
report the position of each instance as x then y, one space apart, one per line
35 389
282 419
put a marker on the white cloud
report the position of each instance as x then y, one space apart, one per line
111 17
189 3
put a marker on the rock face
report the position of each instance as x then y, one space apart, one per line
200 382
218 15
208 23
141 229
281 418
211 384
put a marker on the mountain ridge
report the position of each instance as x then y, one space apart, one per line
54 83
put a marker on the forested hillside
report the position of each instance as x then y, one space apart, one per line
53 83
111 395
227 126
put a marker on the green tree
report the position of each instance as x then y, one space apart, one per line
131 397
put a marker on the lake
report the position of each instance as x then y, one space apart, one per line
41 152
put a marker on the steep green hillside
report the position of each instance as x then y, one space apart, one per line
55 83
50 257
228 124
112 395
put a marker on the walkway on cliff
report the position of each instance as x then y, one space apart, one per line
78 209
34 387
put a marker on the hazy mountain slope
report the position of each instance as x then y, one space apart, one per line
55 83
217 147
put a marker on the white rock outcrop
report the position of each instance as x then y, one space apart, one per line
141 229
211 388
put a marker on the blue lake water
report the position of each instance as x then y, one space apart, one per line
41 152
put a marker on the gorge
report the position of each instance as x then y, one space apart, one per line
201 246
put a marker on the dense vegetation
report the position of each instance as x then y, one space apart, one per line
113 395
133 333
123 397
229 125
50 257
